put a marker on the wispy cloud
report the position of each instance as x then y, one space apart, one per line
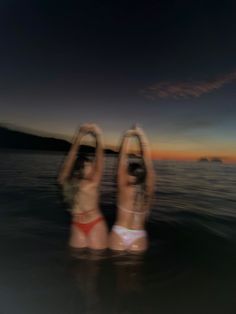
187 89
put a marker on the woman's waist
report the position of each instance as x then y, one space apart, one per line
86 203
85 215
126 209
81 208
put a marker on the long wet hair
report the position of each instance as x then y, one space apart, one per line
137 170
79 165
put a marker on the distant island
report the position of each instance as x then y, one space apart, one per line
212 159
216 159
14 139
203 159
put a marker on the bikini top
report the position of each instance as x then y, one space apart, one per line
133 211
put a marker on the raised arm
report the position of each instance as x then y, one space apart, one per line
99 154
69 162
146 154
122 175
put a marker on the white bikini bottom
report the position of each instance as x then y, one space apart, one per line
128 236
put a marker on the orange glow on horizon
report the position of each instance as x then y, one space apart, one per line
184 155
189 156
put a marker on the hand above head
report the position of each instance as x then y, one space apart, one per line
84 128
95 129
130 132
134 131
139 130
139 133
90 128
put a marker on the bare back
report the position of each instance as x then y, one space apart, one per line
133 205
86 197
134 199
88 228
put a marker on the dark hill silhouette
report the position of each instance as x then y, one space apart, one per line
216 159
212 159
203 159
14 139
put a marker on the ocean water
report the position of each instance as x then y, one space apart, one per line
189 268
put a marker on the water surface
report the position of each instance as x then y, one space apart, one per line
189 268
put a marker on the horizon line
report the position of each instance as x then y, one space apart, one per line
155 154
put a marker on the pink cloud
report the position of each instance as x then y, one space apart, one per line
185 89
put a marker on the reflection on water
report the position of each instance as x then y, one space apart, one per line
93 276
190 192
189 268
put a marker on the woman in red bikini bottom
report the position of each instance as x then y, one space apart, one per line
88 228
135 189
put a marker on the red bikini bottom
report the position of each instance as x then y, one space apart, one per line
88 226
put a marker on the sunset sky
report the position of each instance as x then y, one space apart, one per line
170 66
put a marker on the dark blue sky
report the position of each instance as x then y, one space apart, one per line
168 65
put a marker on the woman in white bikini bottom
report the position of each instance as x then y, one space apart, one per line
128 236
135 181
